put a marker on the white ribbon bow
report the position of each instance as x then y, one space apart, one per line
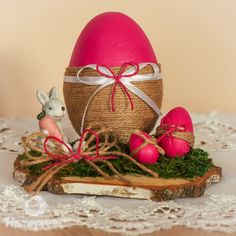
104 81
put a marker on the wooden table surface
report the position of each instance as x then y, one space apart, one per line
84 231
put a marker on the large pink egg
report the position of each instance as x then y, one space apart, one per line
111 39
148 155
173 146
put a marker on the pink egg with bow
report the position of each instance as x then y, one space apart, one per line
148 154
178 117
111 39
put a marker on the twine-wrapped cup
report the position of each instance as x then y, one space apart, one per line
113 78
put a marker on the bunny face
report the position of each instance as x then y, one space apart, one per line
51 104
55 108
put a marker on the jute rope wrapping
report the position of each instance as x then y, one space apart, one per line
123 121
161 131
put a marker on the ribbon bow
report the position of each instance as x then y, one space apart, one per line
124 79
177 131
73 156
118 80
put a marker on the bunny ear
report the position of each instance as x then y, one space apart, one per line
42 97
53 93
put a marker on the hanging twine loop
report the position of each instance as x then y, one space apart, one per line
147 141
176 131
119 82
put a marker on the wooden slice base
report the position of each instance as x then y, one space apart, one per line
143 187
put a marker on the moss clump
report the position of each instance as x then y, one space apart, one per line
35 153
37 169
195 163
31 152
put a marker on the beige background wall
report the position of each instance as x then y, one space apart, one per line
195 41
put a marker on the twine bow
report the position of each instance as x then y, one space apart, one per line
176 131
124 79
73 156
96 152
146 142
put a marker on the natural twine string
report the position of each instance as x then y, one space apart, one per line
147 141
178 132
106 148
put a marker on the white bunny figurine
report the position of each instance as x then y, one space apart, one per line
53 111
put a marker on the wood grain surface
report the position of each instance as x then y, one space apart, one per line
145 187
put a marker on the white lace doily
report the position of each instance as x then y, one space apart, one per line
216 210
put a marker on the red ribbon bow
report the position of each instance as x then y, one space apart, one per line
118 81
170 129
73 156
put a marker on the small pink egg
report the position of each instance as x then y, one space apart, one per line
149 154
175 147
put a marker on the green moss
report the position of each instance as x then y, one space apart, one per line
35 153
34 169
37 169
22 157
31 152
195 163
